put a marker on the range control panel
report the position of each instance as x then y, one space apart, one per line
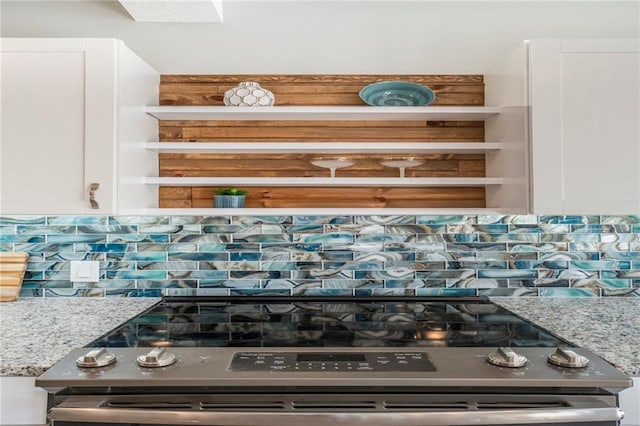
326 361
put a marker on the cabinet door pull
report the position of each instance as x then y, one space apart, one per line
92 195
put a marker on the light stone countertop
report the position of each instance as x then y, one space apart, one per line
36 333
608 326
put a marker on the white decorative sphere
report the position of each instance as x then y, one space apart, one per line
249 93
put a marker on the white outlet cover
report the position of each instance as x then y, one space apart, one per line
84 271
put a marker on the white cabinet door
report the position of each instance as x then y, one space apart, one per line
57 111
71 117
585 126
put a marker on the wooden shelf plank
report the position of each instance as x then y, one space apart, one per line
311 181
434 113
324 147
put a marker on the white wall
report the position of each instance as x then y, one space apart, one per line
331 37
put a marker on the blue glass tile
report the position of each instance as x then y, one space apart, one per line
404 283
446 274
23 220
389 274
133 256
537 247
73 239
107 229
77 220
225 228
137 238
47 284
137 275
67 256
446 292
621 255
431 247
381 238
332 256
511 238
30 292
184 292
261 219
307 220
619 220
599 264
567 292
43 230
546 282
199 256
326 239
168 266
444 220
570 220
627 292
21 238
262 275
139 220
303 229
354 266
199 220
507 273
385 220
408 292
454 238
148 247
209 247
72 292
107 248
206 274
508 292
40 275
135 293
476 246
491 228
259 292
167 284
509 219
540 228
261 238
226 283
200 238
549 264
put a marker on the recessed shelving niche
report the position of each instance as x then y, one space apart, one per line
270 150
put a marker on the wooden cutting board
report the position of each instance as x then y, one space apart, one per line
12 267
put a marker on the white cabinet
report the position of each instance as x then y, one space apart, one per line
585 126
21 402
71 117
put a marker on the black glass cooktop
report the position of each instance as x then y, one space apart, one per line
253 322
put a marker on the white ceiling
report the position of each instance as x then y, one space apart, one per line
325 37
174 10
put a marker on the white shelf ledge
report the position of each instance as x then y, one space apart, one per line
324 147
303 211
313 181
435 113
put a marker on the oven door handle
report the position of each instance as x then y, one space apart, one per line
404 418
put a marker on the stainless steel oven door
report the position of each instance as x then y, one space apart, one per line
336 410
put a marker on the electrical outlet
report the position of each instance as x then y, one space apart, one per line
86 271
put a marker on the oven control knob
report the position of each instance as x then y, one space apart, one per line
96 358
157 357
506 357
568 358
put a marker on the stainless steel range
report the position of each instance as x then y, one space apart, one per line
279 362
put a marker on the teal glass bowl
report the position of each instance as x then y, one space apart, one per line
397 93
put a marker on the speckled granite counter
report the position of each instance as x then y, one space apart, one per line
608 326
36 333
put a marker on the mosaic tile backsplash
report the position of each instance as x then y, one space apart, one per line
584 256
